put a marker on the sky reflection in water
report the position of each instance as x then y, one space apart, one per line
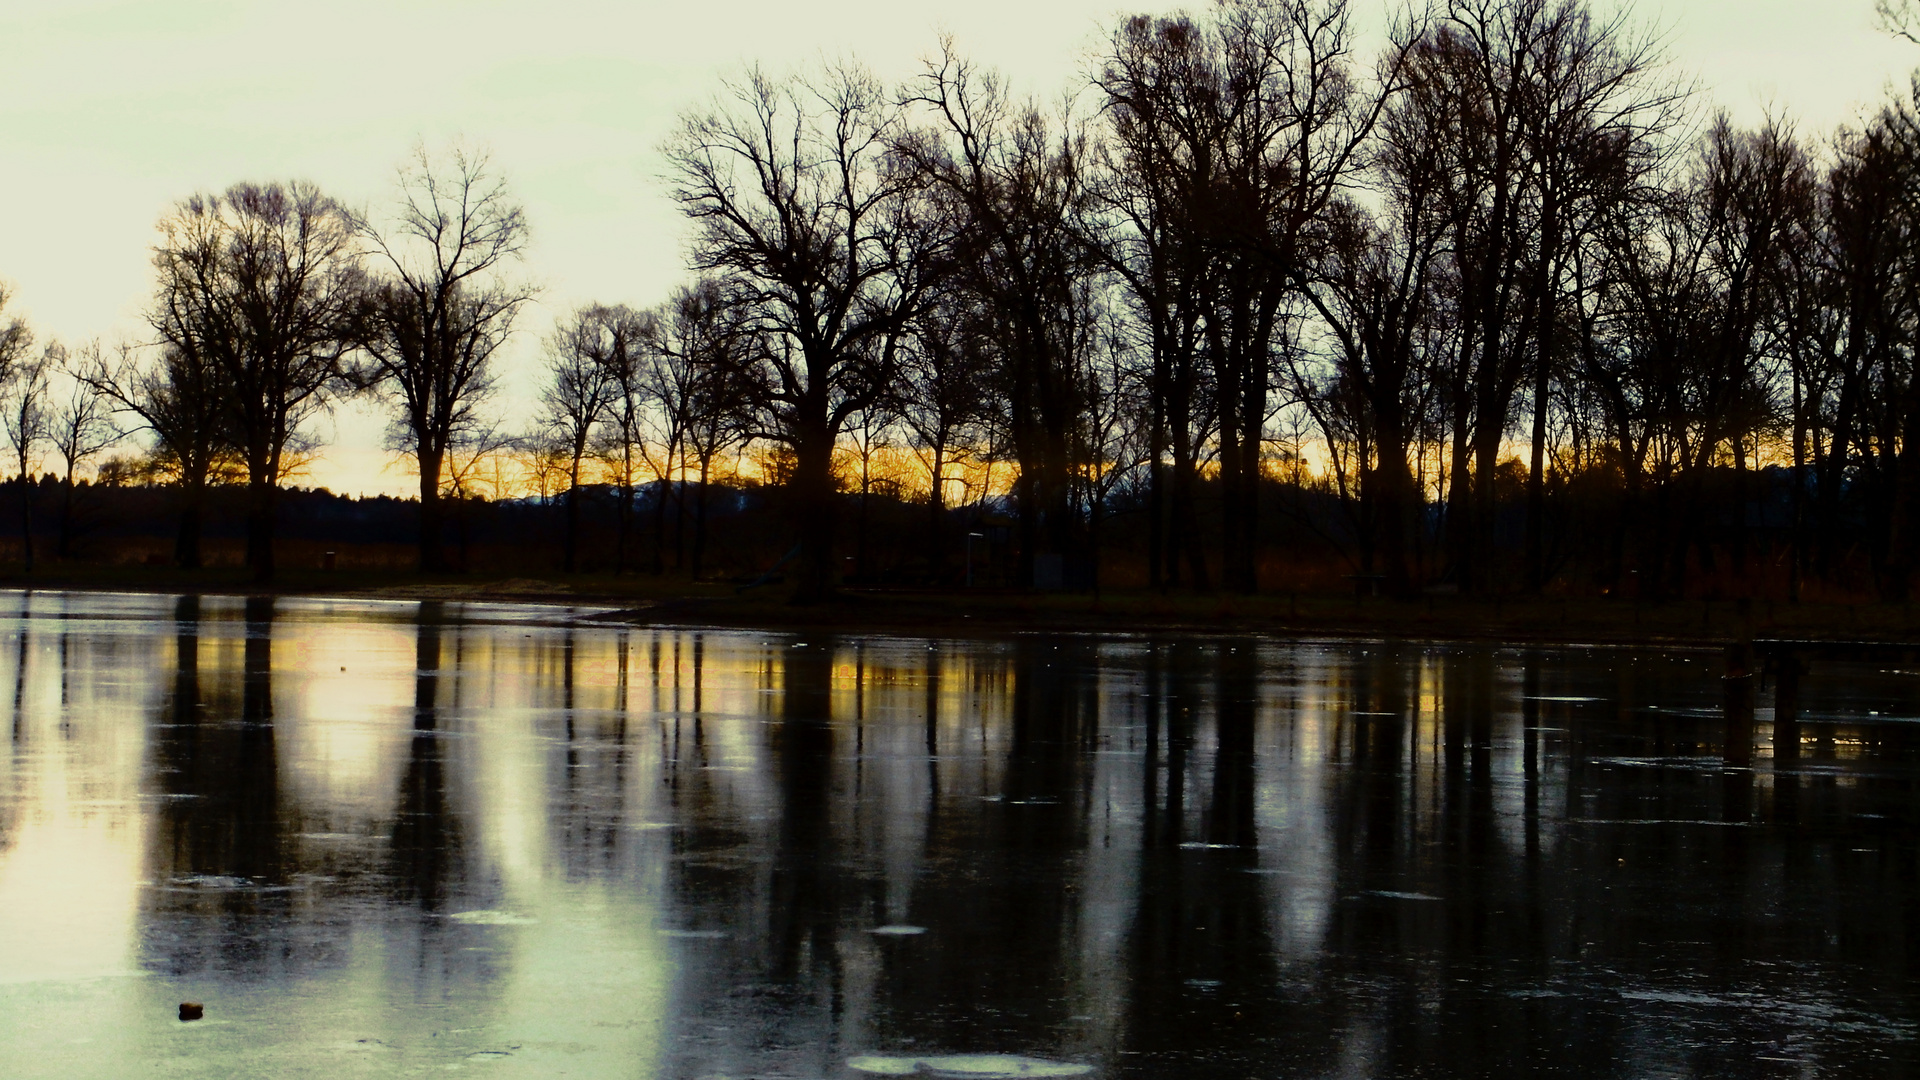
381 839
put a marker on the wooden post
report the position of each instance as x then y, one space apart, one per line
1786 708
1737 704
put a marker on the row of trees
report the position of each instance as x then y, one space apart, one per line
1499 291
1123 299
273 302
1509 235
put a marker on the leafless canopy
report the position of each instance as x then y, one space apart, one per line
819 240
262 283
438 309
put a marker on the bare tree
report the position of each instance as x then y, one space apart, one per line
574 402
616 338
695 376
439 310
1113 436
81 426
1901 18
1236 134
27 421
475 473
1015 174
823 248
178 395
262 282
15 337
941 398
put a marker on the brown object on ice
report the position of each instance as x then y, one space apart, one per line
192 1010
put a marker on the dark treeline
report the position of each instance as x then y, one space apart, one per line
273 302
1489 300
121 520
1497 306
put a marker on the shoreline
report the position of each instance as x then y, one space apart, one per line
641 600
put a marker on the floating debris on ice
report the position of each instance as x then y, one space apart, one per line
898 930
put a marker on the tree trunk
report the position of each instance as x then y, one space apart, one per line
625 520
260 507
570 554
433 557
1156 474
936 515
1536 485
680 520
814 517
64 544
1796 565
700 521
26 519
1253 414
660 526
1395 483
186 542
860 551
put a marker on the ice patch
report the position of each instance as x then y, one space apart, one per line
968 1066
213 881
898 930
487 917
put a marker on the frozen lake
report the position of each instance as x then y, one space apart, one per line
381 839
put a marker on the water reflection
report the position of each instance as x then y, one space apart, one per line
378 839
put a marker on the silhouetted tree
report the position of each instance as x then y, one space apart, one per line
701 350
79 429
615 338
1900 18
941 397
1016 178
262 282
178 395
823 248
439 310
27 420
575 400
15 336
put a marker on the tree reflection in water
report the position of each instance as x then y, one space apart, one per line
427 838
656 852
219 851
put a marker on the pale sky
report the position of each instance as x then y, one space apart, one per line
111 111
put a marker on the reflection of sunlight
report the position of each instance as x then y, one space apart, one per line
1296 837
506 758
574 953
70 872
343 694
67 886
